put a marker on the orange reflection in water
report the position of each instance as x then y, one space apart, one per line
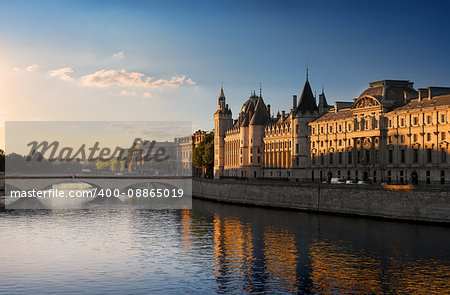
336 271
233 252
186 228
418 277
280 254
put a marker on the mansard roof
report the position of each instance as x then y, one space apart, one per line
443 100
390 92
307 101
332 115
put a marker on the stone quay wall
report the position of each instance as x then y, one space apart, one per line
422 204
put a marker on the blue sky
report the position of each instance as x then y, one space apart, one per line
63 60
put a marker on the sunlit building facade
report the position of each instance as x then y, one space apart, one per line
391 133
260 145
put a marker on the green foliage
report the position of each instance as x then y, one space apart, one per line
203 155
2 160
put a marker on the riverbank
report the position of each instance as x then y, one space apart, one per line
422 204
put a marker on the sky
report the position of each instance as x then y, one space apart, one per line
166 60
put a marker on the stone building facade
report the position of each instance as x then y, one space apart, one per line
391 133
185 148
259 145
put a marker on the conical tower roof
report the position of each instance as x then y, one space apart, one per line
323 100
260 116
307 101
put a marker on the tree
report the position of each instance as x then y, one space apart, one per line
203 155
2 160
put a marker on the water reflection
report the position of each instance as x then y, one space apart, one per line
217 248
261 250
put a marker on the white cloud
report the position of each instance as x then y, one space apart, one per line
62 74
32 68
119 55
128 93
122 78
147 95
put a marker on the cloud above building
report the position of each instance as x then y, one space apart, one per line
32 68
62 74
122 78
119 55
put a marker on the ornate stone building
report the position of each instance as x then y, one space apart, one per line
258 145
390 133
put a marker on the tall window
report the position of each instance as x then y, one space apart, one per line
415 155
429 120
331 158
340 157
403 156
416 120
428 136
391 156
429 155
414 137
443 156
349 157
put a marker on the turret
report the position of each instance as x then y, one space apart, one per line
222 122
323 104
305 112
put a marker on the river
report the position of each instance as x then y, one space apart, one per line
218 248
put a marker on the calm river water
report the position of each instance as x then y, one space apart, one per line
217 248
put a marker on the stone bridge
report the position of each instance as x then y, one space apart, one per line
119 187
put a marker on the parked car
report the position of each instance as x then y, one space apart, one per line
350 182
363 182
337 180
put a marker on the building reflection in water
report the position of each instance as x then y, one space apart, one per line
260 251
280 253
334 270
233 253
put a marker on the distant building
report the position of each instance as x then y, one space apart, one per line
185 147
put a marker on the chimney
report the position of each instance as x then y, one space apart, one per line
429 93
268 109
422 93
282 114
294 102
